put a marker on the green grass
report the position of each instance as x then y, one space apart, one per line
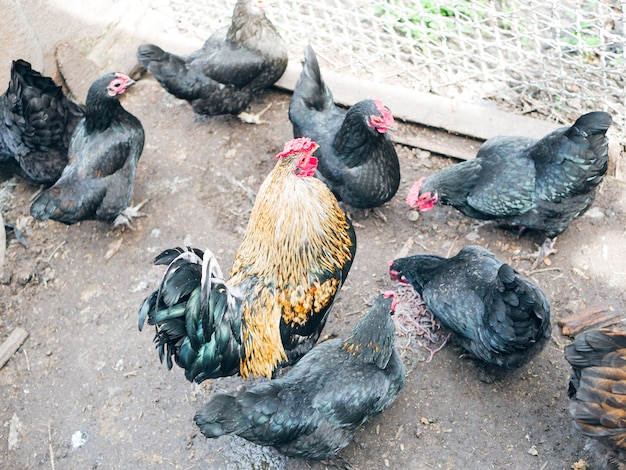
428 19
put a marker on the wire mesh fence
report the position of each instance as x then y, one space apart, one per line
553 59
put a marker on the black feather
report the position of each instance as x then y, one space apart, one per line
538 184
97 182
496 314
233 64
314 410
357 162
38 121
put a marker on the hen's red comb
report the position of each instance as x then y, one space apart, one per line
384 112
392 294
122 76
414 193
299 145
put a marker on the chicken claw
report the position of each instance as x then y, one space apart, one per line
249 118
125 218
544 251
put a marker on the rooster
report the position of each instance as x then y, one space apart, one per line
294 258
314 410
232 65
541 184
496 314
38 121
597 392
357 160
97 182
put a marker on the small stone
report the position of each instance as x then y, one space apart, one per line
24 277
5 276
413 216
14 430
533 450
79 439
595 213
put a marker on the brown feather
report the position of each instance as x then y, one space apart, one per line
307 237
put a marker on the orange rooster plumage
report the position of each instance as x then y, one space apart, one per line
295 255
597 393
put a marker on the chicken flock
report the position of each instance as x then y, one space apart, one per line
263 320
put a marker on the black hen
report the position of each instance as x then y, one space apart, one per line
38 121
314 410
597 391
234 63
500 317
357 160
97 182
541 184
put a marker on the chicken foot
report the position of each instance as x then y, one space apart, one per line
545 250
249 118
125 218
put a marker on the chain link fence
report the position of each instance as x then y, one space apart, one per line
551 59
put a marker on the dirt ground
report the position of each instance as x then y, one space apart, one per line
86 390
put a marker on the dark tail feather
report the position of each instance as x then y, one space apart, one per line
220 416
44 205
172 72
528 307
590 129
596 122
590 347
49 116
197 316
311 86
22 72
152 57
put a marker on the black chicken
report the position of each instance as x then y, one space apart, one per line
38 121
538 184
97 182
500 317
357 160
313 411
597 392
234 63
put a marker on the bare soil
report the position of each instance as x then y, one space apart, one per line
86 390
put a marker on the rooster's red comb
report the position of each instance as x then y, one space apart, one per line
299 145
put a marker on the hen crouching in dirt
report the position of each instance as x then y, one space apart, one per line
496 314
231 67
314 410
